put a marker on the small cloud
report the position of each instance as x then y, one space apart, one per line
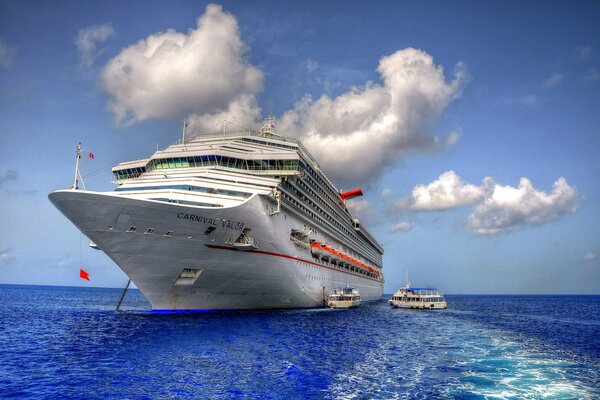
7 257
453 137
553 80
526 100
89 38
592 75
7 54
9 175
589 256
529 100
401 227
310 65
385 193
584 52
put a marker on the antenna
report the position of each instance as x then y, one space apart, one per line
185 124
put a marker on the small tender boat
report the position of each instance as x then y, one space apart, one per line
344 297
420 298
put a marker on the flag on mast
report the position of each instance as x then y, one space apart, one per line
91 155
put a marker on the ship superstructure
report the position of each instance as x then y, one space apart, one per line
234 219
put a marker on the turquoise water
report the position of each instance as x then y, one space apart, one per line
60 342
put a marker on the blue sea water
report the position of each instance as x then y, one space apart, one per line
58 342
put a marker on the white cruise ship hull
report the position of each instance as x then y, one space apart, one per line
274 273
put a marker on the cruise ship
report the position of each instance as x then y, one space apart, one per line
234 219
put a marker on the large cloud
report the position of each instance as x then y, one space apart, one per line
498 209
509 208
356 136
360 133
169 74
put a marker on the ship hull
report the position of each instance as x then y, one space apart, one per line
158 245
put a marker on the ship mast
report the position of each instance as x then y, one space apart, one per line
78 157
269 126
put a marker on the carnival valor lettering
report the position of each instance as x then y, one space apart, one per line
226 223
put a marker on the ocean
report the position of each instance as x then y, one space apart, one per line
70 343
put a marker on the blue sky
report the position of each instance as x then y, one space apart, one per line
481 95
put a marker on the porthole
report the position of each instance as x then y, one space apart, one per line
131 229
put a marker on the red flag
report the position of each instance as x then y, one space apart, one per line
91 155
84 275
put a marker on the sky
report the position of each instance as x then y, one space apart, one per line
472 127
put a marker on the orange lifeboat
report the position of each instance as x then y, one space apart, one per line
324 250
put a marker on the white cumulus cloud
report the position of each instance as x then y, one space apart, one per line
589 256
448 191
497 208
87 41
359 134
168 74
356 136
508 208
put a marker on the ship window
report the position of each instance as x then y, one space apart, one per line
149 231
209 230
169 234
131 229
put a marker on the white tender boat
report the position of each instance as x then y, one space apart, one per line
344 297
419 298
